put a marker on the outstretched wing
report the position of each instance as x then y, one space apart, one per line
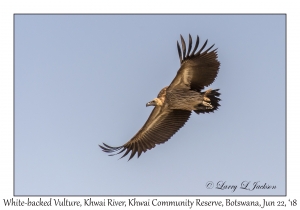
198 69
161 125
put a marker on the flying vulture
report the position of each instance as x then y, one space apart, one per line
175 103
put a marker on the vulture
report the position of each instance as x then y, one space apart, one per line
175 103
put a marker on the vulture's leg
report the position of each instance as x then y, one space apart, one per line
207 92
205 98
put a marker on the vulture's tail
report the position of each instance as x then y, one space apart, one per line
213 96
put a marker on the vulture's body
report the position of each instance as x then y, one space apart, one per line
175 103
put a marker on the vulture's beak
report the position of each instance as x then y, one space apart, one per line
151 103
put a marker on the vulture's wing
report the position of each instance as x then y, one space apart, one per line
161 125
198 69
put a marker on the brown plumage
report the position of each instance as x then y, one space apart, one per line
174 103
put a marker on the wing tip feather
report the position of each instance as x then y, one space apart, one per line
183 55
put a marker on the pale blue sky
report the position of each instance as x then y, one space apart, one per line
81 80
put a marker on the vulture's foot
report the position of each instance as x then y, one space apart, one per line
207 105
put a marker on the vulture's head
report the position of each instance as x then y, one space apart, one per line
155 102
159 101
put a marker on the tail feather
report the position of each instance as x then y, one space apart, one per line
213 95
